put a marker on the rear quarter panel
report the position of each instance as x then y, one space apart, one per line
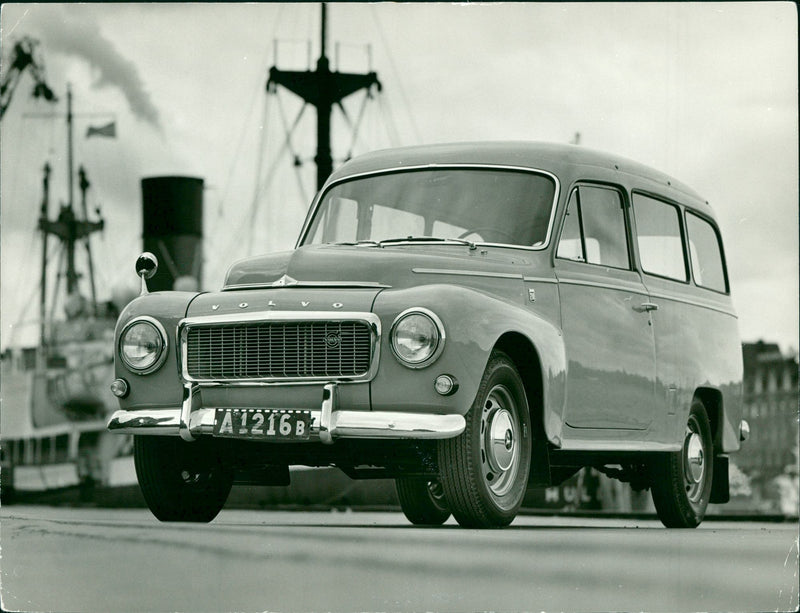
697 349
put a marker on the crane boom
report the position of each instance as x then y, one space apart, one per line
23 57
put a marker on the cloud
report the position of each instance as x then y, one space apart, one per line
76 34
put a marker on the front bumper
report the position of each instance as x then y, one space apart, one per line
327 423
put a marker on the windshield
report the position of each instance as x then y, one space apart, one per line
478 205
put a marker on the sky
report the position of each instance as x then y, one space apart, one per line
706 92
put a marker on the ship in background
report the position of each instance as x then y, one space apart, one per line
55 395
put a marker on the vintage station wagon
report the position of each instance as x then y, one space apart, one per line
466 319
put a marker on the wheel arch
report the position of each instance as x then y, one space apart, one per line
712 401
523 353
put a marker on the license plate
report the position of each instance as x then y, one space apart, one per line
270 424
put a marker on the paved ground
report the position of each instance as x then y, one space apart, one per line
57 559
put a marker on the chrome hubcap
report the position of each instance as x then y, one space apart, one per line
500 447
500 450
694 462
694 458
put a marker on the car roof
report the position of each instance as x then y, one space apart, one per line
568 162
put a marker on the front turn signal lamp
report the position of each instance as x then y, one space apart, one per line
120 388
143 345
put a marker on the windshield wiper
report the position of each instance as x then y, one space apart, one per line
362 242
427 239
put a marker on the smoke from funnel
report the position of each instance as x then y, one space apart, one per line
77 36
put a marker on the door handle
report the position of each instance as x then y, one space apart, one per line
645 307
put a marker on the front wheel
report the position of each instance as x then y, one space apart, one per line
181 481
423 501
681 481
484 470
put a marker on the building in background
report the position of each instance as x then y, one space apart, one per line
769 458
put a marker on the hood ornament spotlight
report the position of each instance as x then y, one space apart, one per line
146 267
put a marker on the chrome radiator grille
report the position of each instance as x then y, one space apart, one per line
278 350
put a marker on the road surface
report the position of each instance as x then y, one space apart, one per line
103 560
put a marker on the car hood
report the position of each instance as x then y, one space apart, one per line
367 265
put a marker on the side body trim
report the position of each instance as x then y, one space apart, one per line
466 273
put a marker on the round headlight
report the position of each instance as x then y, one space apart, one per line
417 337
143 345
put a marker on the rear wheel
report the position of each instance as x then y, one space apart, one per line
181 481
681 481
484 471
422 500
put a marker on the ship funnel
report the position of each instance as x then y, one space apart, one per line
172 229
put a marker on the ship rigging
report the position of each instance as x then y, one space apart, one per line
69 230
328 90
323 88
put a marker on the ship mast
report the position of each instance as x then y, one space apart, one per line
67 227
322 88
43 295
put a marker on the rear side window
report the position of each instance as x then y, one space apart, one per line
658 236
594 228
705 253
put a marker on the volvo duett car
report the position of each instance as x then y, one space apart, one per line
468 320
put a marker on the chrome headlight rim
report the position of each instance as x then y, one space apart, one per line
438 325
160 359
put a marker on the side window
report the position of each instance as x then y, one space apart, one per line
706 254
604 227
658 235
570 246
594 228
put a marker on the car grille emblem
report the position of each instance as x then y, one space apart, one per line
332 340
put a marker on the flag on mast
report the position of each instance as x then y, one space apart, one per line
109 130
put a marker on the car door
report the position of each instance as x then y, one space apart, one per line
605 315
695 326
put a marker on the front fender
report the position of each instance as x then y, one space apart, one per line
473 322
163 387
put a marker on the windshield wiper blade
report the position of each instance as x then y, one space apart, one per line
362 242
427 239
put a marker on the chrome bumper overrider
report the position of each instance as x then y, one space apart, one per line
327 423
